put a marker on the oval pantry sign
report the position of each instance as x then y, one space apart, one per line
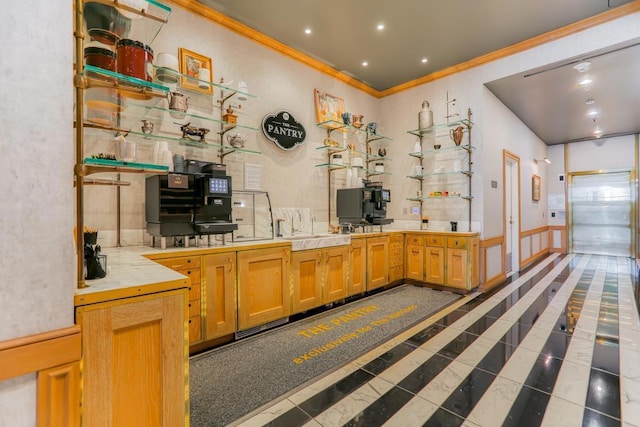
283 130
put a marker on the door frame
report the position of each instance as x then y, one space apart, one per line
509 157
633 250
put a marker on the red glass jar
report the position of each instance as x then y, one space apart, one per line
135 59
101 58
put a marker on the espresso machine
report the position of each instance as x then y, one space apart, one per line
194 202
363 206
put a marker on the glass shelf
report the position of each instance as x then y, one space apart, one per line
332 125
374 158
331 150
128 86
422 199
433 129
141 24
331 167
426 175
149 138
156 112
421 154
219 86
91 166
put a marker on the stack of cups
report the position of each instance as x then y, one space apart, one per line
162 155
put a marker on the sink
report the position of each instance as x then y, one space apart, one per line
316 241
313 236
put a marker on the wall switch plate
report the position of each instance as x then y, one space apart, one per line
561 177
415 210
494 184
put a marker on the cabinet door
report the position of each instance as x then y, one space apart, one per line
377 262
457 268
358 267
263 286
396 257
336 267
135 364
415 262
307 280
219 284
434 265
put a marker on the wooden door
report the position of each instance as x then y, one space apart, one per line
377 262
336 268
434 262
358 267
263 286
457 268
306 272
414 264
135 363
219 284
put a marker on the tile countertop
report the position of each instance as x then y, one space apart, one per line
132 271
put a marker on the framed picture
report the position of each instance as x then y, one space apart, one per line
328 107
196 70
535 187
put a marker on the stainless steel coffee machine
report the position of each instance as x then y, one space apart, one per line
364 206
194 202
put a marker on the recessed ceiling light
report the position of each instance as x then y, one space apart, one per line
592 113
590 101
307 30
585 82
424 60
380 27
597 133
582 66
365 63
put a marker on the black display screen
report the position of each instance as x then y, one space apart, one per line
386 196
218 186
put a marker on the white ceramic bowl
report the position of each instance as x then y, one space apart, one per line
166 68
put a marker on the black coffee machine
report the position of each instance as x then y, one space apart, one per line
190 203
364 206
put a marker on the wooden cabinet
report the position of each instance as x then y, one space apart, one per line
219 294
135 362
462 262
358 267
307 280
263 286
414 257
377 262
336 269
319 277
435 260
190 266
396 257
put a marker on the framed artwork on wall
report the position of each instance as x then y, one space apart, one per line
535 187
328 107
196 70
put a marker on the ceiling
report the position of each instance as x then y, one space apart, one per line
447 33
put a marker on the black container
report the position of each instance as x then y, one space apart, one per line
454 225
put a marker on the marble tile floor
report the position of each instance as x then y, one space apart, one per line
556 345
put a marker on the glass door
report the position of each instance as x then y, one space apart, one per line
601 213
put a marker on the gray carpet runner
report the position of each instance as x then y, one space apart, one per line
232 381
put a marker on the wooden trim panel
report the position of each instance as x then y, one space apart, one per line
37 352
533 231
59 396
239 28
562 248
486 284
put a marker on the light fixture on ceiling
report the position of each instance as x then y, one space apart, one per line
365 63
597 132
593 113
590 101
424 60
380 27
307 30
583 66
544 161
585 83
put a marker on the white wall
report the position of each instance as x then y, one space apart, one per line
36 213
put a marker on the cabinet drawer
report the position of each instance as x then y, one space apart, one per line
194 308
436 241
457 242
195 329
193 273
180 263
415 240
194 292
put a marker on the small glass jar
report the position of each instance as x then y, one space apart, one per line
379 167
336 159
